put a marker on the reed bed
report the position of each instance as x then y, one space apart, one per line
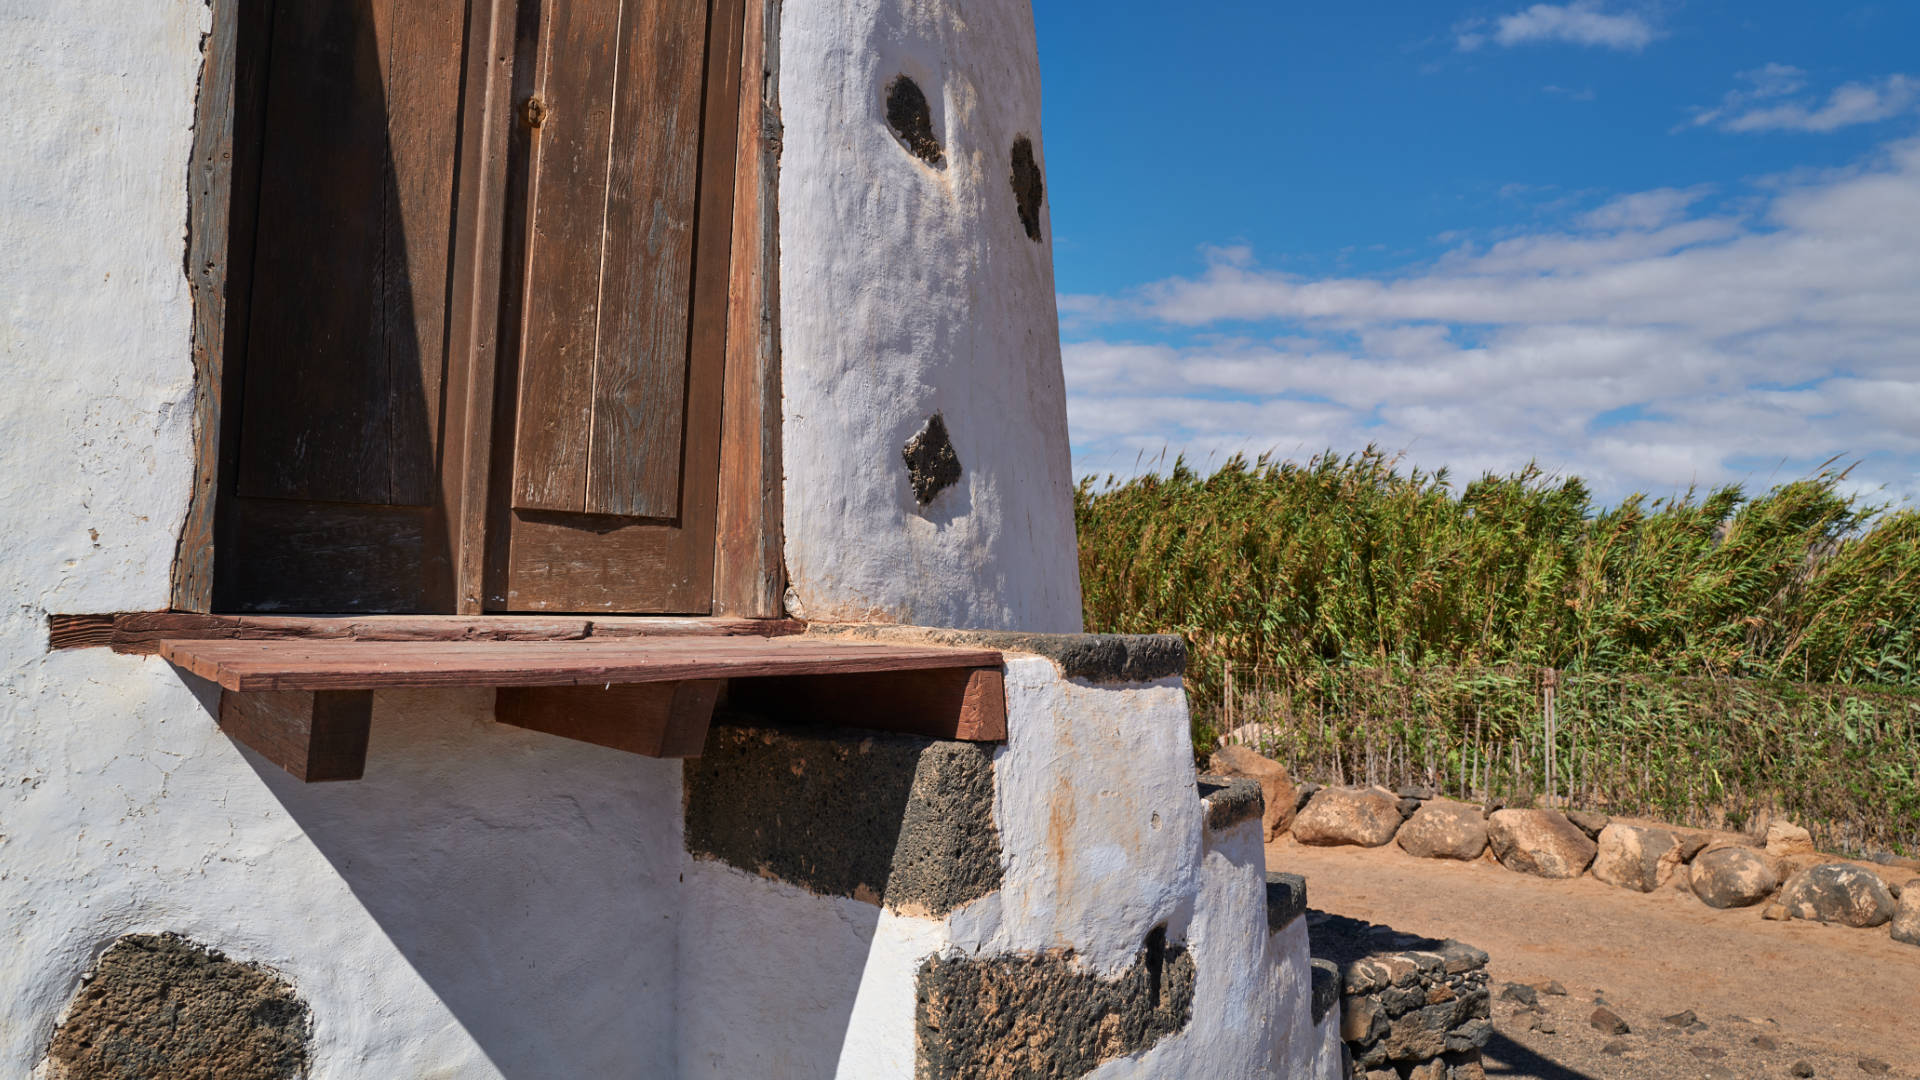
1753 648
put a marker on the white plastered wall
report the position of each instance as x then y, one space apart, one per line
486 903
908 290
1102 840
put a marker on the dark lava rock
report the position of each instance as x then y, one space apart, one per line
1608 1022
1521 993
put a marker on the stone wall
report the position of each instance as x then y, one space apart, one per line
1411 1008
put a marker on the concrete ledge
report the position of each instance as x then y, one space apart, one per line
1231 800
1094 657
1326 988
1286 899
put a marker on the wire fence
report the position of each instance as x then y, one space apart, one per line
1843 761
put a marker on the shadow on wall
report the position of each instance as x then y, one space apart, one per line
530 881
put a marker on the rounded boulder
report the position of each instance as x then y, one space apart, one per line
1733 877
1906 920
1444 829
1366 817
1276 786
1636 857
1838 893
1539 842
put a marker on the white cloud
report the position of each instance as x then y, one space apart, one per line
1652 345
1582 22
1758 106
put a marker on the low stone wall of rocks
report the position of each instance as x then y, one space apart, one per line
1781 870
1411 1007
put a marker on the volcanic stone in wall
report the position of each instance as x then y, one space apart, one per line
932 464
884 818
1029 189
1037 1016
162 1006
911 119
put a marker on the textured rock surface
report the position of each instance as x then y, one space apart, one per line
893 819
1636 857
1906 918
1838 893
1539 842
161 1006
1588 822
1041 1016
1785 839
1367 817
1731 877
1408 1002
1443 829
1276 786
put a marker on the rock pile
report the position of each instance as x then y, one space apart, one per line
1722 870
1411 1008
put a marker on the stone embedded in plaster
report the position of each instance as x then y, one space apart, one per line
160 1005
1029 189
887 819
1093 657
1231 800
1038 1016
932 464
1286 899
912 121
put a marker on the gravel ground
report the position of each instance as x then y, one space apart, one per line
1767 996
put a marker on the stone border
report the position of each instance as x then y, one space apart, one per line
1230 800
1093 657
1286 899
1785 876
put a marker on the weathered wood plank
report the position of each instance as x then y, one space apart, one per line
141 632
79 631
747 569
567 218
640 366
357 665
314 736
948 703
479 259
662 720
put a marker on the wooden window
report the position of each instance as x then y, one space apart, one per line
462 285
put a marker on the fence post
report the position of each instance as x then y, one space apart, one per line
1229 702
1546 691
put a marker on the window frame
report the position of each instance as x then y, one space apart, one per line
748 580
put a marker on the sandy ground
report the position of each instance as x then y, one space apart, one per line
1770 994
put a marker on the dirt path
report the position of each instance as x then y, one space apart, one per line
1826 995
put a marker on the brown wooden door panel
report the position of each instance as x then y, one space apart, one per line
607 440
318 557
614 175
345 353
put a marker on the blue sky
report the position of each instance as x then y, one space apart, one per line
1656 244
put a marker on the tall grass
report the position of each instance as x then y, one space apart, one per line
1842 760
1353 560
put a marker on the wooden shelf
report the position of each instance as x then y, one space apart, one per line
307 704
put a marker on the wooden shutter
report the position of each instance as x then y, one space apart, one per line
607 446
335 504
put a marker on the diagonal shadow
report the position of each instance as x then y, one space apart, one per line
1504 1057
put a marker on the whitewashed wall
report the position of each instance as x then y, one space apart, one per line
908 290
488 902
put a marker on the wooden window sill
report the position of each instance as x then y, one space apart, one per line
306 702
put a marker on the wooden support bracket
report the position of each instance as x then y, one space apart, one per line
662 720
313 734
950 703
